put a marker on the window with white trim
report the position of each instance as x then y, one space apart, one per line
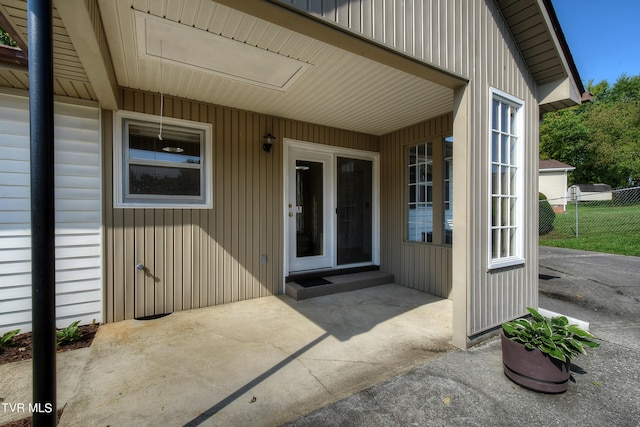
447 152
420 193
506 228
158 166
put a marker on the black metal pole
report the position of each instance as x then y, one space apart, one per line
40 28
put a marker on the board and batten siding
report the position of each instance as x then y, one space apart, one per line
203 257
78 211
422 266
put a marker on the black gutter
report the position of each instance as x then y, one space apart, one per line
40 29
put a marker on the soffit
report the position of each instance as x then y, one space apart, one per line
70 78
533 36
328 85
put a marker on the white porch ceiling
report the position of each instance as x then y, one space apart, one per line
207 56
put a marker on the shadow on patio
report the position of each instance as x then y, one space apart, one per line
256 362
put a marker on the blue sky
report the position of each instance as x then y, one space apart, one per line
603 36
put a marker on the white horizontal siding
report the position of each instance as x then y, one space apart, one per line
78 186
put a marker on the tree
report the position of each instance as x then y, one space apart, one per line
5 39
565 137
601 139
614 141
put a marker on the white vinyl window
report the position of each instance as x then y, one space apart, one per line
420 193
158 166
448 190
506 228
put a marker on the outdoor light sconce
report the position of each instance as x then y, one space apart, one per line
268 142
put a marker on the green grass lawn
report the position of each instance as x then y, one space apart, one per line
602 227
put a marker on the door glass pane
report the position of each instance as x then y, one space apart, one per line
354 210
309 208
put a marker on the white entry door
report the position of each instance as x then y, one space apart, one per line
331 208
310 207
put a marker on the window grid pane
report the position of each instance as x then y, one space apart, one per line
420 197
504 176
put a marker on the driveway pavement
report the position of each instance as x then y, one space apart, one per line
469 388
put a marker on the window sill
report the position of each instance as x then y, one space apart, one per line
507 262
192 206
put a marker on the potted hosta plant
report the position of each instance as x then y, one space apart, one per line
537 352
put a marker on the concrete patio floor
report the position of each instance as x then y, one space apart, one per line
260 362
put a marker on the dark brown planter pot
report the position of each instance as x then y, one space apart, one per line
533 369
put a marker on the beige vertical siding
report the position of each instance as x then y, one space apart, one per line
430 30
492 296
203 257
426 267
212 264
469 38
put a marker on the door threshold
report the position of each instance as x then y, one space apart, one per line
328 285
317 274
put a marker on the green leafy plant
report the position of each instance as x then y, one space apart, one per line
7 336
69 334
553 336
546 215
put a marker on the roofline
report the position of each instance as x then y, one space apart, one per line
563 44
13 58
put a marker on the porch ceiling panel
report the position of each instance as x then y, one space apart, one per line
333 87
70 78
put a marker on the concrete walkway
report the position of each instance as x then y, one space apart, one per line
16 383
256 363
375 357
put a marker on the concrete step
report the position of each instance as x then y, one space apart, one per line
339 283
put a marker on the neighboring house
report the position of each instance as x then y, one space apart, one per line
406 137
552 182
590 192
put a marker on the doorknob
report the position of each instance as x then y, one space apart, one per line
290 214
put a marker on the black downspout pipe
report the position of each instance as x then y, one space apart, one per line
40 27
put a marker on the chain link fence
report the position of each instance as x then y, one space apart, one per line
608 219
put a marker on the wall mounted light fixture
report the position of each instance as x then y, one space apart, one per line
268 141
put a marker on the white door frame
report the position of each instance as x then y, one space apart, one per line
335 152
325 259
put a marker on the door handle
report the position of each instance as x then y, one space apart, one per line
290 214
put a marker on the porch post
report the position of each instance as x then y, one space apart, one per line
461 269
40 26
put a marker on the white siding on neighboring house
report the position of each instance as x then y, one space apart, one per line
553 184
78 186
